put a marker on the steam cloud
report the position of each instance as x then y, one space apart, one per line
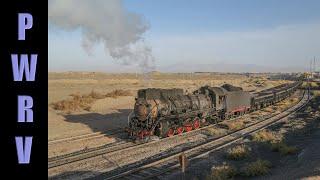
107 22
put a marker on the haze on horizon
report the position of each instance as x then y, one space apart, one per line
203 35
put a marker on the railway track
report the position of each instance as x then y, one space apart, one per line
88 153
123 147
160 164
112 147
120 145
86 136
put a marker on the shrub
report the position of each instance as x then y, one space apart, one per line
94 95
215 131
238 152
283 148
315 93
266 136
233 125
222 172
76 103
84 102
118 92
257 168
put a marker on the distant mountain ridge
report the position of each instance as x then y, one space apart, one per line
223 67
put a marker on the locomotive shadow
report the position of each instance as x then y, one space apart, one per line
108 124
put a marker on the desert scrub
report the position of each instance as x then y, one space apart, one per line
84 102
238 152
310 84
304 85
94 95
315 93
118 92
257 168
266 136
233 125
255 113
268 109
215 131
77 102
222 172
283 148
314 84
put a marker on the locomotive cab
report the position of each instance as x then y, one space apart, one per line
217 95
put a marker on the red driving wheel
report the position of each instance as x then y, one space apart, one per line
142 134
196 123
179 130
188 127
170 132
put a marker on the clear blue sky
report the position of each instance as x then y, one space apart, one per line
267 33
192 16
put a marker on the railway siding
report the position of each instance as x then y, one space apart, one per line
138 156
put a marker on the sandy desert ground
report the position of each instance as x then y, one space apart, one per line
106 113
104 102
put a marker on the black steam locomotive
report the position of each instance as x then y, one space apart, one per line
166 112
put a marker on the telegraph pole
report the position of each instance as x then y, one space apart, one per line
314 64
311 67
308 79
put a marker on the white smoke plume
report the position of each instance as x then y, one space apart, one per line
107 22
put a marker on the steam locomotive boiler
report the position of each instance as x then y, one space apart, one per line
165 112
